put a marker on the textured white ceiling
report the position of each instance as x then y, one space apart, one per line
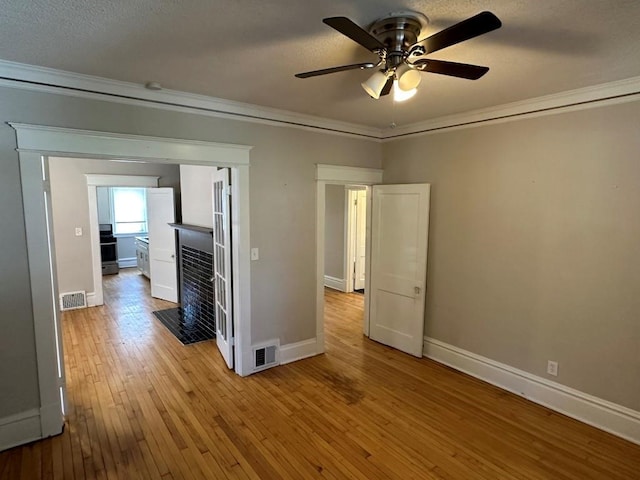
249 50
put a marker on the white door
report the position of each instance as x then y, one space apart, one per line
360 240
400 226
162 244
222 264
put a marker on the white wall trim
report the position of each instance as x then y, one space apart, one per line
36 201
122 180
41 79
127 262
34 78
335 283
612 93
602 414
88 143
91 299
19 429
241 268
51 418
348 252
341 175
293 352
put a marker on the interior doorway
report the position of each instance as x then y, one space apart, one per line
140 215
328 177
36 144
345 237
345 250
119 205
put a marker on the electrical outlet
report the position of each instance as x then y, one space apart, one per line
78 231
552 368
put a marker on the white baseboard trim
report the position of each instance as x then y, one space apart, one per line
19 429
292 352
602 414
127 262
335 283
91 299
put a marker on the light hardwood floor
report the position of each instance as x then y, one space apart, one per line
141 405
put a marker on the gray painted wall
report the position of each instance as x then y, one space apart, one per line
282 191
535 243
334 231
70 208
197 194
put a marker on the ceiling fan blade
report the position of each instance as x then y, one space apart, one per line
453 69
325 71
354 32
387 87
479 24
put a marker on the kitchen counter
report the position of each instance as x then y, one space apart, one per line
142 255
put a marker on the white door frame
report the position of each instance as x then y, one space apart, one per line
96 297
338 175
36 144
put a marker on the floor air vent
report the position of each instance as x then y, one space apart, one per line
264 357
73 300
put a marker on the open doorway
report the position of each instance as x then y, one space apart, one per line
36 146
337 188
99 210
344 269
126 215
135 217
345 237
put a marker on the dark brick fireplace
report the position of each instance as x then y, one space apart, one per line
194 320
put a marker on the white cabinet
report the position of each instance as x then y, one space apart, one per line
142 255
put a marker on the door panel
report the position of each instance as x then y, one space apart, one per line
400 225
162 244
361 240
222 264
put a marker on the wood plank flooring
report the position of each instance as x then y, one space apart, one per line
141 405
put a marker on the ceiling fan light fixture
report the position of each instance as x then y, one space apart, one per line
374 85
400 95
408 78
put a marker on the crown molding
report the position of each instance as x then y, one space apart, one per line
612 93
31 77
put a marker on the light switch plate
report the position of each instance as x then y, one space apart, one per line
255 255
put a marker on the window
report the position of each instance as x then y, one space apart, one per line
129 210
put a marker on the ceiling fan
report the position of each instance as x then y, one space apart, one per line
395 40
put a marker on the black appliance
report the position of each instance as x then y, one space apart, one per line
108 250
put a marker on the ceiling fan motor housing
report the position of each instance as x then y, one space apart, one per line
398 32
